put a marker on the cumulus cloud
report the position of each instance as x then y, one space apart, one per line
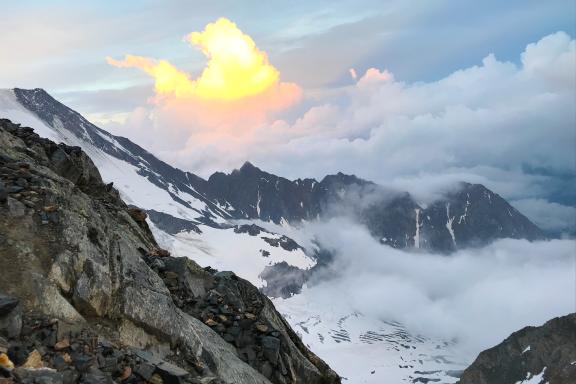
236 68
476 297
237 91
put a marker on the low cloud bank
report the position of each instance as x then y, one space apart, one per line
476 297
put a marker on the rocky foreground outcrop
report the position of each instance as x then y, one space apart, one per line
536 355
87 295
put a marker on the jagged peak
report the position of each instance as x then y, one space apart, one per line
35 92
249 167
344 179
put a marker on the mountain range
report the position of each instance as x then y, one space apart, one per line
249 220
469 215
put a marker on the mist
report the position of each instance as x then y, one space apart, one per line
475 297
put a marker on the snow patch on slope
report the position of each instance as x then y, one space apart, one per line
533 379
11 109
225 249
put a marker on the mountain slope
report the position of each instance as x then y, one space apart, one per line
170 195
72 250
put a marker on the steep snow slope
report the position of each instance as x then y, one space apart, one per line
10 108
224 249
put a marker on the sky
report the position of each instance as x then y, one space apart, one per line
410 94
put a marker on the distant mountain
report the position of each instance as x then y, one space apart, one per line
471 215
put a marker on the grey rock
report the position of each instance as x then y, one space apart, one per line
10 316
21 182
145 370
70 377
38 376
271 348
108 363
3 192
15 189
83 362
172 374
95 376
225 275
16 208
59 363
7 304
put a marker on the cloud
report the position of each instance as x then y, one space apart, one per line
353 73
553 217
506 125
475 296
236 68
168 78
237 91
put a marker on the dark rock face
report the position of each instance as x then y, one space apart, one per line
547 352
475 215
257 194
76 256
470 216
10 316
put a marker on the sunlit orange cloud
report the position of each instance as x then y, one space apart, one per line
168 78
237 90
236 68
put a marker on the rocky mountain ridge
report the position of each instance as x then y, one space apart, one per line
75 255
469 216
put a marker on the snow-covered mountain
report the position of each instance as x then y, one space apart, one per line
248 221
470 215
